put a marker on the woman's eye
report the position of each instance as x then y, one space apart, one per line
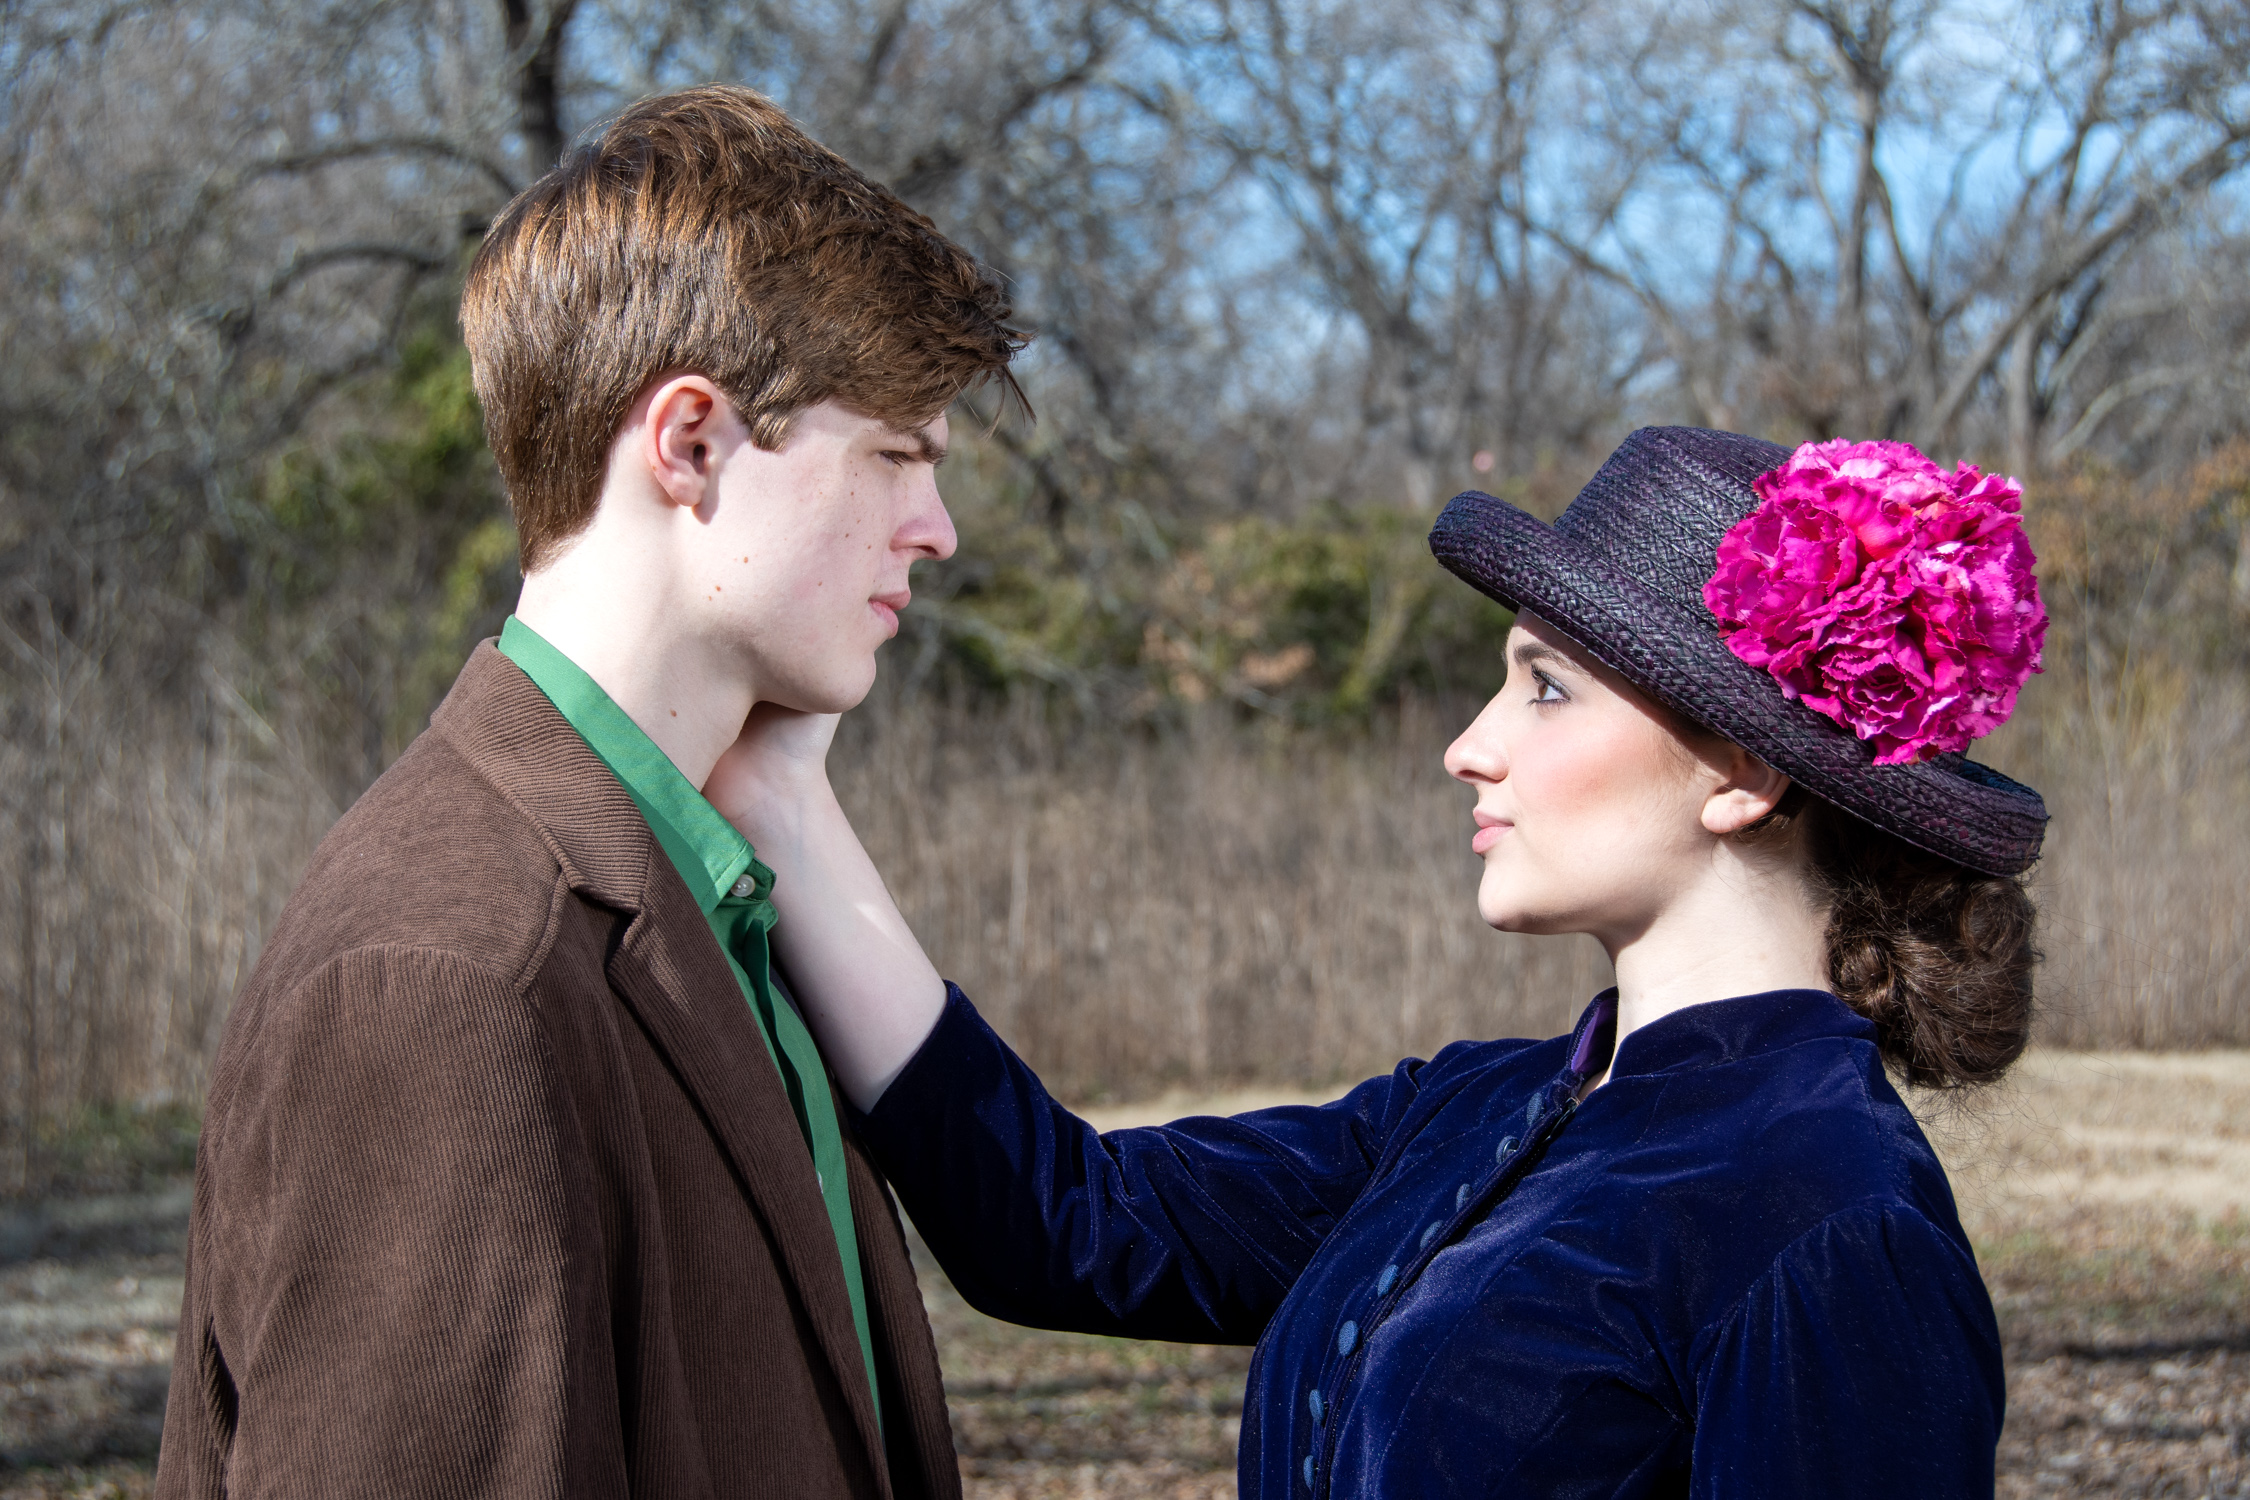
1549 690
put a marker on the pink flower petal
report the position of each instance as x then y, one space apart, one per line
1893 597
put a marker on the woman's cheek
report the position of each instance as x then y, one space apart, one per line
1570 778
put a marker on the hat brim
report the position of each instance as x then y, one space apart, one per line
1949 806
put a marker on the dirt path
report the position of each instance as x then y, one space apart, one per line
2109 1197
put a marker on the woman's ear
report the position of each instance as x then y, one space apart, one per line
1751 790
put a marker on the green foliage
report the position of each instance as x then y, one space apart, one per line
1314 620
388 547
415 458
113 1148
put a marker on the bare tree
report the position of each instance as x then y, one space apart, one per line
1903 210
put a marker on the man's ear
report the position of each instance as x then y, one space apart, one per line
1750 791
685 437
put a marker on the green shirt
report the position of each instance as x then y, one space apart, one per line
736 894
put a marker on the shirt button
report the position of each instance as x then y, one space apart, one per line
1384 1282
1460 1196
1319 1408
743 887
1507 1148
1430 1234
1347 1336
1308 1471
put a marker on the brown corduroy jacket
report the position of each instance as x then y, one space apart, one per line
499 1193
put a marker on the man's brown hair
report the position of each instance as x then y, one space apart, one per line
704 231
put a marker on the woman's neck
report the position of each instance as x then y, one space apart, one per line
1748 925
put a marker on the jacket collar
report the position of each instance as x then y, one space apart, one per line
513 737
1727 1031
669 969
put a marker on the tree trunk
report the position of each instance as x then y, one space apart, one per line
538 90
2023 434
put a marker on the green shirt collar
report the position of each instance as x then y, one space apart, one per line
710 856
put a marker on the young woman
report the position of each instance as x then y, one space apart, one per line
1695 1247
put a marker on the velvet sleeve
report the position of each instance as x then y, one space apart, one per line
1192 1231
1864 1362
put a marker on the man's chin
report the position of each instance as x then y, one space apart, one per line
837 693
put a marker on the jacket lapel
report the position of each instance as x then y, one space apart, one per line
918 1427
669 969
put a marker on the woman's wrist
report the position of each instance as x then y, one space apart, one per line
776 814
772 783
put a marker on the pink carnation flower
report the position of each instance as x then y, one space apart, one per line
1891 596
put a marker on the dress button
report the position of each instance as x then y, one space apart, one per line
1460 1196
1308 1471
1430 1234
1319 1408
1347 1336
1384 1282
1507 1148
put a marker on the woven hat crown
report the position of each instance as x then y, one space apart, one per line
1657 509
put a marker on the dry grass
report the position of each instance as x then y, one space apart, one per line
2100 1188
1222 908
1228 905
1230 908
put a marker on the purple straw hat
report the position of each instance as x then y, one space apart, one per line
1622 573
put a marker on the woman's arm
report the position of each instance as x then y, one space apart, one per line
1864 1362
867 990
1194 1231
1191 1231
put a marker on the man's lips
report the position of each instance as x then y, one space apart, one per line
1490 830
886 608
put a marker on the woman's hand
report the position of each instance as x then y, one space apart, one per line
775 766
866 989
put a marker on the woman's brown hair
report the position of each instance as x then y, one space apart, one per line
1939 957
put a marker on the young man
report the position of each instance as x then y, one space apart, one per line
520 1174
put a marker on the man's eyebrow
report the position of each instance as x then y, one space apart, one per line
927 448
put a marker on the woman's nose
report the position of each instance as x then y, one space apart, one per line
1477 755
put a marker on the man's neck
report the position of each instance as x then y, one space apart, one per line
606 609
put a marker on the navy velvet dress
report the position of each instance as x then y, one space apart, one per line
1734 1269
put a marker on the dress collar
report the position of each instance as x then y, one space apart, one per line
1702 1036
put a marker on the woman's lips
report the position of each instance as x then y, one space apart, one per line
1488 834
887 613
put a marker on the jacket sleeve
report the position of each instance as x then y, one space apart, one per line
396 1283
1864 1362
1192 1231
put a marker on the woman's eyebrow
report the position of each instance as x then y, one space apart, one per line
1531 653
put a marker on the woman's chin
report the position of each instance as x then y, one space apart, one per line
1507 907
